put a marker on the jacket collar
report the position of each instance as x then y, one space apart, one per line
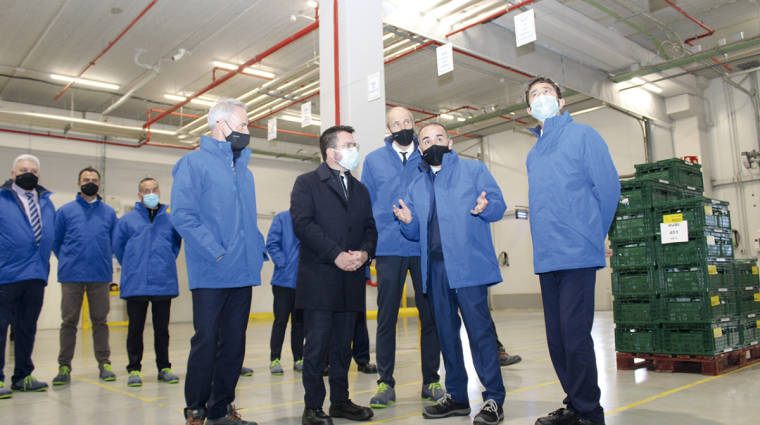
552 124
84 202
223 150
40 189
449 160
325 174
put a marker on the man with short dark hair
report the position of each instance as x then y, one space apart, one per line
573 195
146 245
27 230
83 246
332 217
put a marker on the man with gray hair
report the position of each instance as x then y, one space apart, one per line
214 210
27 229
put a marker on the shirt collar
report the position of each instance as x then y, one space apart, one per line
22 193
409 149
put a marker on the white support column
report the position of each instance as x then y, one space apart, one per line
690 135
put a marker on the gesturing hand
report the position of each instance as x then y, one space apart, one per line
481 204
402 212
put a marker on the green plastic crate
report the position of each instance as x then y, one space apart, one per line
638 254
699 212
632 225
674 170
713 243
632 338
706 307
749 332
636 310
748 301
635 282
705 276
703 339
637 194
746 272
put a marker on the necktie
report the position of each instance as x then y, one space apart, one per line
403 158
34 217
344 184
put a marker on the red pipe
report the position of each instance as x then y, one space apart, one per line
121 34
80 139
702 25
213 74
297 133
336 62
269 114
179 114
491 17
449 111
258 58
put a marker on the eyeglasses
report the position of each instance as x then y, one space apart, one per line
347 146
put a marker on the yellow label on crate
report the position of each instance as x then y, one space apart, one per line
754 269
716 300
757 323
708 210
717 332
757 297
712 269
672 218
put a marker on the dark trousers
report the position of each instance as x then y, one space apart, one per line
568 297
284 308
328 335
72 295
137 310
472 303
391 274
220 319
360 346
20 303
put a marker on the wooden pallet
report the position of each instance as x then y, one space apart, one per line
706 365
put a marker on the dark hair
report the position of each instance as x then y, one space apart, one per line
542 79
87 169
146 179
329 136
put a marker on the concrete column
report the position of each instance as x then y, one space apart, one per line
690 134
360 54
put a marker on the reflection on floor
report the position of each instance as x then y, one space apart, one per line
631 398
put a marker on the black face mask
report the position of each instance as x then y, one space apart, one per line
89 189
434 154
26 181
403 137
238 141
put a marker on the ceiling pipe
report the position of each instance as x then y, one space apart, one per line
108 47
258 58
297 133
270 113
216 68
153 73
82 139
491 17
702 25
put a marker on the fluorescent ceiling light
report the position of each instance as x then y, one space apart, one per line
202 102
205 101
393 46
447 116
652 88
638 81
175 97
85 82
387 36
312 3
250 71
292 118
97 123
460 119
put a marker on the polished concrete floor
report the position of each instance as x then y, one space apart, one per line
631 398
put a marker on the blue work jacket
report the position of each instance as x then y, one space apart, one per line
283 247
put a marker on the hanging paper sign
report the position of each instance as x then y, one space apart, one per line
445 58
305 114
525 28
272 129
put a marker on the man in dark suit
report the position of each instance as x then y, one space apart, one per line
332 217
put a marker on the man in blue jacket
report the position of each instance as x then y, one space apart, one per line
214 210
449 207
27 229
573 191
387 171
83 246
146 245
283 246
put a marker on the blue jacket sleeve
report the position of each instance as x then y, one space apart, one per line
185 214
274 242
176 243
60 231
411 230
119 239
369 181
485 182
604 177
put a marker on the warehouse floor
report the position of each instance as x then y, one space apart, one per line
632 398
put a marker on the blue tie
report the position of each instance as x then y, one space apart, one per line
34 217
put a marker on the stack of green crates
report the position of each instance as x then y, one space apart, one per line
748 300
675 298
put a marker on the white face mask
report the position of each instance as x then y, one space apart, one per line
349 158
544 107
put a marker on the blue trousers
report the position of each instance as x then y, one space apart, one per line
391 274
328 335
472 303
220 319
20 303
568 297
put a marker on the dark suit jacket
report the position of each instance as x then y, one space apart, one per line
326 225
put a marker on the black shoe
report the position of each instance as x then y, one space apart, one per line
315 417
446 407
588 422
195 416
349 410
368 368
505 359
560 416
490 414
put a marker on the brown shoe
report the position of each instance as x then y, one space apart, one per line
505 359
194 416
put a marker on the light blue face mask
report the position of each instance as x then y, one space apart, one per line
544 107
150 200
349 158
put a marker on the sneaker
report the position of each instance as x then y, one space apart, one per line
433 391
106 372
349 410
166 375
446 407
490 414
246 371
561 416
135 379
63 377
384 396
368 368
232 418
275 367
5 392
29 384
298 366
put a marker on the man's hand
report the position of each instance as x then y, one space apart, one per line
344 261
481 204
360 258
402 212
